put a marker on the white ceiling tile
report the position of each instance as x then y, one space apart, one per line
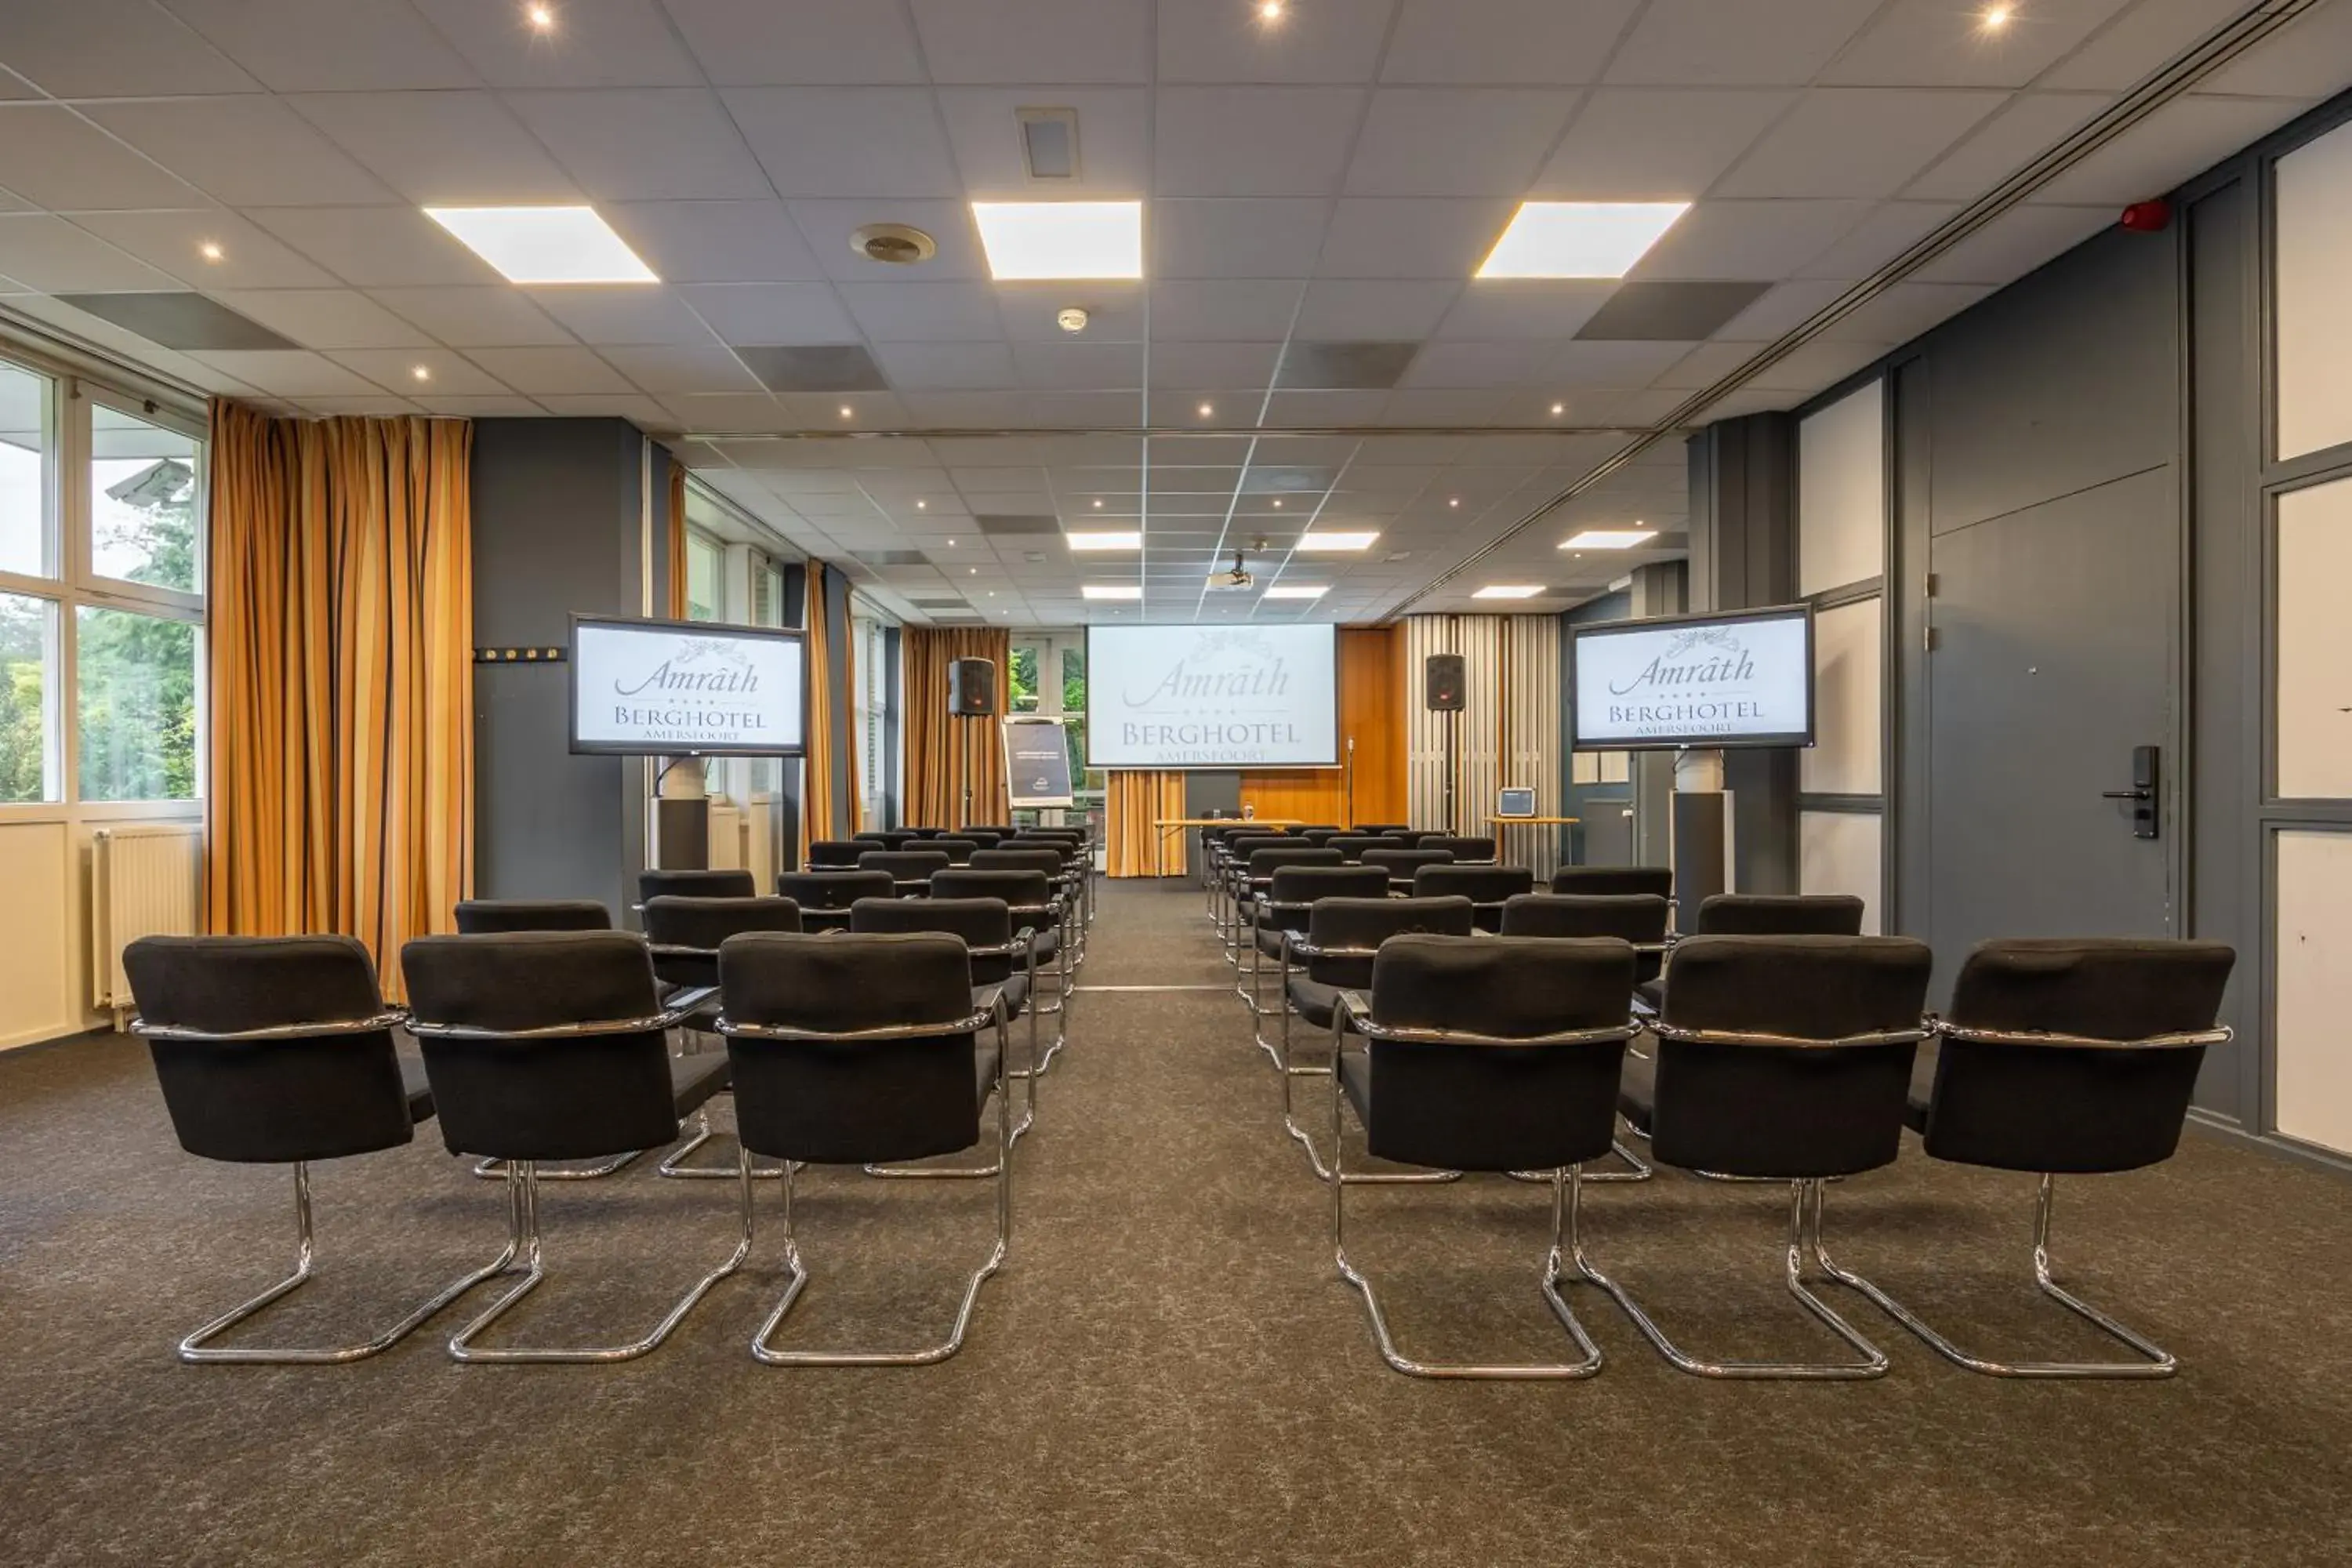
1446 408
1906 310
50 254
643 412
771 312
551 370
1495 310
1756 241
1890 229
285 373
1208 238
440 148
2016 243
1630 365
106 335
1228 311
1035 40
945 366
1935 43
324 318
1099 410
715 242
624 315
756 411
1490 41
451 374
376 247
246 149
1855 142
946 312
1325 410
1078 366
1487 365
1374 309
111 48
499 317
382 407
1242 366
828 227
595 43
2135 43
830 41
1217 40
55 159
502 407
666 371
1252 141
1781 309
862 142
1705 42
250 259
1115 311
1819 365
328 46
643 143
1403 236
2178 140
1455 141
2030 124
1114 142
1656 143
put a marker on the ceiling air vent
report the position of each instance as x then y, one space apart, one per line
894 244
1049 144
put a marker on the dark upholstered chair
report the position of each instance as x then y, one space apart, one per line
1253 874
1779 914
1318 836
1488 888
685 936
481 916
927 832
888 838
984 837
277 1050
1484 1055
911 870
1466 850
1336 954
1281 913
1780 1059
826 897
1005 951
843 854
1351 845
1378 829
861 1050
553 1045
732 884
2064 1055
1657 881
1036 901
1401 864
958 849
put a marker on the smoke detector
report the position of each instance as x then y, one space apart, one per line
1073 319
1239 577
894 244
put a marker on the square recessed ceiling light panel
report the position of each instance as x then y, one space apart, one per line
1105 539
1509 591
1297 591
545 244
1061 240
1111 590
1312 544
1609 539
1578 239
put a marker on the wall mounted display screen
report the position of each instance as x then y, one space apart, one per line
1743 678
1213 697
672 689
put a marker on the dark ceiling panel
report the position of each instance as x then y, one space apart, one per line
1668 311
1343 367
822 367
180 320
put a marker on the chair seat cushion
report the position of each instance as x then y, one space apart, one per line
1923 1088
1637 1089
693 1079
983 1068
1356 1082
1014 986
1314 1001
1654 991
419 1092
1269 941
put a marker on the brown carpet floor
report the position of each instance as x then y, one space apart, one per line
1167 1371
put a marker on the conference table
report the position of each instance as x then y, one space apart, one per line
1168 825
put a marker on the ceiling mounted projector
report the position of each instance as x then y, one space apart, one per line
1238 577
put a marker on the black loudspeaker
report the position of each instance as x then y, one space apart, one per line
971 687
1440 682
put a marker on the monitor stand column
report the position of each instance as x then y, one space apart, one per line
1702 825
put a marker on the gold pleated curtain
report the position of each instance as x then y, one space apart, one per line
340 742
945 755
819 797
675 542
1137 799
855 772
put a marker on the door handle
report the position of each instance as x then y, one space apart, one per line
2128 794
2142 793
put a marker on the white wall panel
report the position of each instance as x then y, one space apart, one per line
1849 699
2314 185
1842 852
1842 491
2313 967
2314 642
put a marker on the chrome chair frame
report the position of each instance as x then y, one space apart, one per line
2159 1362
197 1348
1804 1234
1290 1070
798 1269
523 1240
1353 1015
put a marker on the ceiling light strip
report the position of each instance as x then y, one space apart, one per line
2216 49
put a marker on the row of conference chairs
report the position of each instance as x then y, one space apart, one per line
1772 1043
543 1036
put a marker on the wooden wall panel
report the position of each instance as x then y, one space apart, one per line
1508 732
1372 715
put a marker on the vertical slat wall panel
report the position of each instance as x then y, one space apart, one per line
1510 728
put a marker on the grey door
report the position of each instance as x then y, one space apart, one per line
2054 658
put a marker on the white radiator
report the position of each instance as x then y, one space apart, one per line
142 882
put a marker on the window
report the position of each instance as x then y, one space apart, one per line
101 595
706 576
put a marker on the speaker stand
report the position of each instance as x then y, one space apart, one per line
1453 744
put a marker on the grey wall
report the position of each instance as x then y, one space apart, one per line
1598 833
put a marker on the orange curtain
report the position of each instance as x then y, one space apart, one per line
676 541
341 740
946 755
819 798
1137 799
849 740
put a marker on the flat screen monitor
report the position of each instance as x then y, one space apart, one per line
1742 679
673 689
1515 803
1213 697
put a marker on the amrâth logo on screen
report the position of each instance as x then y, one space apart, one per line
685 695
1703 676
1228 693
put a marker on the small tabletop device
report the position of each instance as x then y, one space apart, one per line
1515 803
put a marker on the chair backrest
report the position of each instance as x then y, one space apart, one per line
1264 863
849 1101
1318 836
1400 864
1010 859
1630 917
826 897
958 850
888 838
1462 848
1351 845
1360 925
1377 828
843 854
298 1097
1067 834
1403 836
1741 1103
999 829
985 837
906 867
1029 889
1241 845
927 832
1488 887
1297 889
478 917
976 922
1780 914
685 933
1615 881
695 885
1446 1088
2021 1104
597 1082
